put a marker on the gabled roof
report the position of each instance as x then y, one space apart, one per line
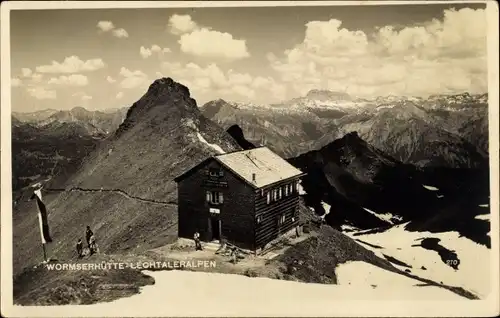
267 166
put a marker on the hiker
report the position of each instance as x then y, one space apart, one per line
197 241
79 248
234 254
92 245
88 235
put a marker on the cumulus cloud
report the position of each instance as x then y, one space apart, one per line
440 56
211 81
147 52
109 79
105 26
133 79
205 42
71 80
42 93
15 82
72 64
119 95
120 33
86 97
27 72
36 77
180 24
108 26
213 44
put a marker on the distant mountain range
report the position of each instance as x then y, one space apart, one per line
49 142
443 130
97 123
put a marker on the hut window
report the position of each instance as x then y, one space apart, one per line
280 193
297 186
268 197
282 219
275 195
215 197
286 190
213 172
259 219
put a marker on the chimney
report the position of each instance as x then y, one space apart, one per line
253 177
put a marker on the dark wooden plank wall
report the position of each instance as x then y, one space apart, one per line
268 228
236 211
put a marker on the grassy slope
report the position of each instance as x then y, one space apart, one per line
125 226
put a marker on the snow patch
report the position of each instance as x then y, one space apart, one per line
327 208
430 188
387 217
213 146
484 205
348 228
36 185
287 297
364 275
483 217
301 190
472 275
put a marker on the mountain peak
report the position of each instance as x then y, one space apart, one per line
164 100
167 86
323 94
79 110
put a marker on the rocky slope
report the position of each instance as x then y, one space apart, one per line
163 135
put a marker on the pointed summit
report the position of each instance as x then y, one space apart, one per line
164 101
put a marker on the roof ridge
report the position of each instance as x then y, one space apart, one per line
241 151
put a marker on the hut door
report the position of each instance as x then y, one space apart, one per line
215 226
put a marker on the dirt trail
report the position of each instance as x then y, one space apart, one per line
117 191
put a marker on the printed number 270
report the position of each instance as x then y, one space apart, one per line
451 262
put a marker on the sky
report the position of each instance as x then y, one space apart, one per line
107 58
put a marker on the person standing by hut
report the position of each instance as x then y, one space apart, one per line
197 241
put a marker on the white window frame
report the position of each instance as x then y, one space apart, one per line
287 190
258 219
268 197
215 197
280 193
282 219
